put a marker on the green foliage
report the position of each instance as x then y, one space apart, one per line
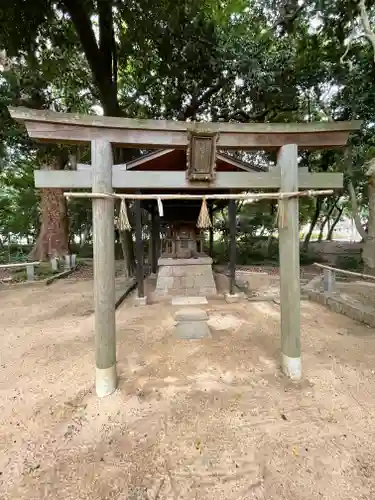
349 262
233 60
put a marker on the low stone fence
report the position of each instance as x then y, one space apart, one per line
324 290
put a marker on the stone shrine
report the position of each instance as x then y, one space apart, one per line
183 267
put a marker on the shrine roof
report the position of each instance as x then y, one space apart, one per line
175 160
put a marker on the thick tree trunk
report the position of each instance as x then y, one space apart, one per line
53 238
368 254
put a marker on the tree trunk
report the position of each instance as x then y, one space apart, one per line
326 221
335 222
53 238
368 254
355 211
322 226
313 224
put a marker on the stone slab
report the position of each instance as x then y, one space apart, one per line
188 301
199 261
192 330
191 314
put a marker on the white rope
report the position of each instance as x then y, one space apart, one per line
160 207
160 197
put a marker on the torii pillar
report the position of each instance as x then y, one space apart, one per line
289 250
104 268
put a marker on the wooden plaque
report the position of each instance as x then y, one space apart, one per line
201 156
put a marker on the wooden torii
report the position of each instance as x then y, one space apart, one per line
202 140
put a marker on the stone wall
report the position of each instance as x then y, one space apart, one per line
187 277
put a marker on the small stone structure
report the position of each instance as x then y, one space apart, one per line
191 323
187 277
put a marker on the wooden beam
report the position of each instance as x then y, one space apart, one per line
64 178
73 128
165 180
139 249
232 256
154 238
104 269
289 265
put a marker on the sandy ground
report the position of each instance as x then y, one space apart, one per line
210 419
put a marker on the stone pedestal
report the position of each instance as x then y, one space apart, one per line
185 277
191 323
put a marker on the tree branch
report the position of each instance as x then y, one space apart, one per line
244 117
94 55
369 34
288 17
196 102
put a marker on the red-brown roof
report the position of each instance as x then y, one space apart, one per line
175 159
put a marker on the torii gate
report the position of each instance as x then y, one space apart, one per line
103 132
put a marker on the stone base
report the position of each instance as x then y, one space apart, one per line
188 301
185 277
231 299
140 301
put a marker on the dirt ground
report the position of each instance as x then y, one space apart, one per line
210 419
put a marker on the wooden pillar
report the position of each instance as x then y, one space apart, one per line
154 238
232 246
211 231
157 232
139 248
289 247
104 268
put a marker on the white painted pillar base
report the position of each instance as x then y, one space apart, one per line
106 381
291 367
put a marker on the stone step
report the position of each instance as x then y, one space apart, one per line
188 301
192 330
191 314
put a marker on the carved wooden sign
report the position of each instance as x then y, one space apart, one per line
201 156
